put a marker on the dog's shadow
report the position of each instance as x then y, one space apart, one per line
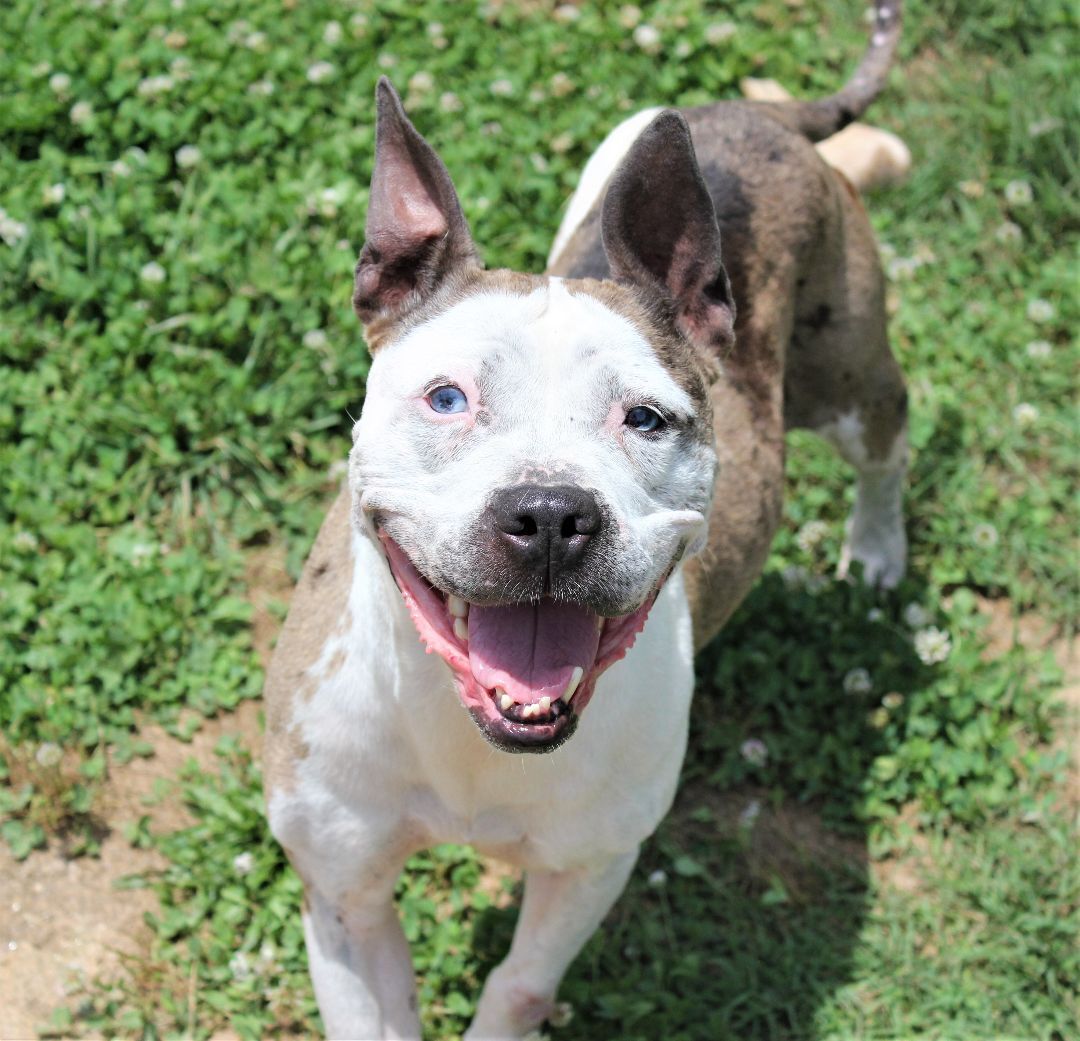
742 917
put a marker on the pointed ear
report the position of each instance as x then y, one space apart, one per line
660 232
416 233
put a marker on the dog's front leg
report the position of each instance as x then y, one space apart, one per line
560 911
360 965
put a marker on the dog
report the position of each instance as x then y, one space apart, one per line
559 487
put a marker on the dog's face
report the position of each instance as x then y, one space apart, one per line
535 455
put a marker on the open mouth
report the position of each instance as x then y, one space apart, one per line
524 671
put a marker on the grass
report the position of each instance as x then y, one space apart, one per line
183 189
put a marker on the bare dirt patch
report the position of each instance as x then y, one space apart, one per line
64 920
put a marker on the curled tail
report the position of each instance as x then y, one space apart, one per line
818 120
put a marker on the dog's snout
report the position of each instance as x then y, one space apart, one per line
546 528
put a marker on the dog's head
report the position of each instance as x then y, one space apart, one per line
535 456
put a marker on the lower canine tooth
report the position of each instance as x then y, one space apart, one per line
545 704
575 679
505 701
461 630
456 606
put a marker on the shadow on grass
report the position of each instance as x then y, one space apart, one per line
742 916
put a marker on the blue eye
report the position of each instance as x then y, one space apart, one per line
448 400
645 419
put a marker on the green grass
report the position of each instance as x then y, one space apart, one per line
178 365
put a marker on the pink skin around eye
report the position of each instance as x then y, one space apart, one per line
466 385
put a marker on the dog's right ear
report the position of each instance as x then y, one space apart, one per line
416 233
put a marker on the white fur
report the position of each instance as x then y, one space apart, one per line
594 178
875 530
393 763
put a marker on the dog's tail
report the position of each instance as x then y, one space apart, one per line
818 120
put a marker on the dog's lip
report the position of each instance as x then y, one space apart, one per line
517 721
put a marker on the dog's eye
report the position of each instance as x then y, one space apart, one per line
645 419
448 400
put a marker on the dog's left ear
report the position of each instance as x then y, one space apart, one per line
416 233
660 232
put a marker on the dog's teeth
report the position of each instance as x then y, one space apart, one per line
461 630
457 607
571 688
545 705
599 624
505 701
575 680
529 711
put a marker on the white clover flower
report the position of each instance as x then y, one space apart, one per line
320 72
1046 125
811 535
879 718
502 88
450 102
332 33
386 60
932 645
893 700
315 339
358 23
153 273
561 85
257 41
12 231
718 32
566 13
261 88
329 201
1009 233
180 68
973 189
244 862
875 615
629 16
1019 193
152 86
683 49
59 82
561 1015
754 752
24 541
985 536
1040 311
120 169
174 39
81 113
900 268
1025 414
53 194
657 878
143 551
237 31
43 68
267 953
562 143
858 681
48 754
750 813
435 29
240 966
539 163
188 156
916 616
421 82
1039 350
647 37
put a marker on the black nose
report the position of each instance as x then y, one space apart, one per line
546 527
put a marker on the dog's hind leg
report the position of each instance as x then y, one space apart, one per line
842 381
560 911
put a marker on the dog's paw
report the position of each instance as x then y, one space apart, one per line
882 554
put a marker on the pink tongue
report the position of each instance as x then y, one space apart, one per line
531 649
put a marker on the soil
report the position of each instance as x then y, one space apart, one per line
62 921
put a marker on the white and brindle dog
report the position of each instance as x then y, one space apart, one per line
560 486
